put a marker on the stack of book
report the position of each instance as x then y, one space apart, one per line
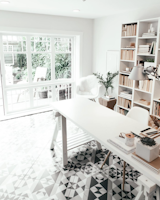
127 54
122 111
156 108
144 49
147 49
129 30
154 165
120 144
124 80
126 94
124 102
146 85
110 97
149 34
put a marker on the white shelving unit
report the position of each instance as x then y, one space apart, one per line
137 94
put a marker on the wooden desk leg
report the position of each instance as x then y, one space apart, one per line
158 192
106 158
64 142
124 169
99 145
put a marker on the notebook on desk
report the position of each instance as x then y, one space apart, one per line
154 165
120 144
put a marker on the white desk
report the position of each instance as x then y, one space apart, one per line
102 124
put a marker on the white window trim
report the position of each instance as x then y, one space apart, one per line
78 37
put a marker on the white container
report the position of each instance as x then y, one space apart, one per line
146 152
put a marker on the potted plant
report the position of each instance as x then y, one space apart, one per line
43 93
148 63
107 82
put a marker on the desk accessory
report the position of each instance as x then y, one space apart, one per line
147 149
154 165
146 129
119 142
129 139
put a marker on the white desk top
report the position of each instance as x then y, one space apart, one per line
103 123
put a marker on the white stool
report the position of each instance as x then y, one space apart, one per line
146 188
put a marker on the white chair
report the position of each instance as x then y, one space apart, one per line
88 87
139 114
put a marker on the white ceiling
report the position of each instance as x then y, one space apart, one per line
88 8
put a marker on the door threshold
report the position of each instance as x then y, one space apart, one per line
26 113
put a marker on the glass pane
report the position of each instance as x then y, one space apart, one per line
63 92
62 66
14 43
63 44
42 95
40 44
16 68
18 99
41 67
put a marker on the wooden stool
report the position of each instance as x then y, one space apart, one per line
108 103
146 188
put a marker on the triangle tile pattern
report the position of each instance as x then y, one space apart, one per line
30 171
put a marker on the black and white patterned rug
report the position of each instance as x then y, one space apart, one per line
30 171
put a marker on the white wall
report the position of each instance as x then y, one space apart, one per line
49 22
107 33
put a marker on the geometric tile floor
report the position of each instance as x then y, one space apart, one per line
30 171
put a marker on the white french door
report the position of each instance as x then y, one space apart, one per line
36 70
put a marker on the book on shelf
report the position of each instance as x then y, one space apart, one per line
123 111
129 30
126 94
110 97
156 108
124 80
146 85
154 165
126 72
149 34
124 102
127 54
120 144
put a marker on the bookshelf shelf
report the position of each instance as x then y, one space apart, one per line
128 37
123 107
148 37
127 60
145 54
138 43
142 91
128 48
156 116
141 104
125 97
157 100
126 87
